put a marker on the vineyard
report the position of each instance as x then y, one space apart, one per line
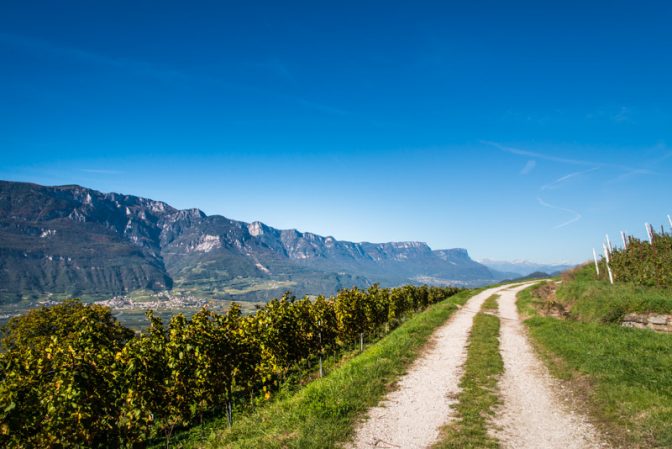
647 263
72 376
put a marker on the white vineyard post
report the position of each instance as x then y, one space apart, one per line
597 266
611 275
670 220
625 241
608 243
606 255
649 232
361 342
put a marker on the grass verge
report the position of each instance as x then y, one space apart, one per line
593 300
491 303
623 374
528 303
478 396
322 415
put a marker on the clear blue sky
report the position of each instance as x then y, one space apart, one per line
514 129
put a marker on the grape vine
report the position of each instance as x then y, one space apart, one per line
72 376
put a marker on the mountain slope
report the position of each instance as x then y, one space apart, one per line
74 241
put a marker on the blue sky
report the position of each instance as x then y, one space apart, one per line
516 130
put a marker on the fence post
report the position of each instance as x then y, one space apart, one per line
319 323
597 266
625 241
606 256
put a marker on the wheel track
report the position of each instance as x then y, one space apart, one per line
533 414
411 416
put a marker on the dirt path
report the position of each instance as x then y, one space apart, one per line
410 417
533 416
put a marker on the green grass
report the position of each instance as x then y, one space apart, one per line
322 415
528 303
491 303
478 396
592 300
624 375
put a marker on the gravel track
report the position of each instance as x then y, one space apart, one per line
411 416
533 416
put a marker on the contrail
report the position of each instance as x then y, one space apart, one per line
567 177
577 215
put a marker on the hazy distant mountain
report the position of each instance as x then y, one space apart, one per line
514 269
70 240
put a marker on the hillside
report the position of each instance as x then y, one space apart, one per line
73 241
612 346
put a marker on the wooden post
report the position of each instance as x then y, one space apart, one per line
597 266
606 256
319 323
625 241
229 405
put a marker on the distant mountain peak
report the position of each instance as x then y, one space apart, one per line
524 262
519 267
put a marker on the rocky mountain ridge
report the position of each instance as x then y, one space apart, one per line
73 241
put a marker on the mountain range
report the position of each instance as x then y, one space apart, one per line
65 241
520 268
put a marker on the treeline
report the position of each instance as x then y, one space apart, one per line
72 376
644 263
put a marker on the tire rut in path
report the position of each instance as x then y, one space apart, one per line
411 416
532 415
